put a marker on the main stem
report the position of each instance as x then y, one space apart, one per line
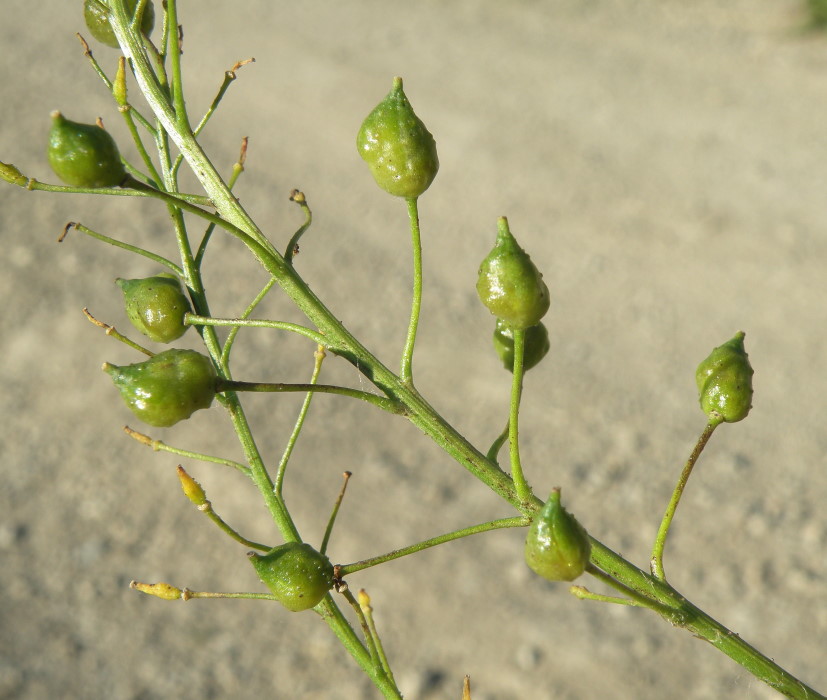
420 412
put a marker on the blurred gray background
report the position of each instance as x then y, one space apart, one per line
664 166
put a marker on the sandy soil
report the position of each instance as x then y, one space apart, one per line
664 166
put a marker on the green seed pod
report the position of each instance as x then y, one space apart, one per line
297 574
536 345
557 547
168 387
399 150
84 155
724 382
509 284
156 306
96 14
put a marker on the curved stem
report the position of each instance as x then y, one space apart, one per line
406 372
496 446
520 484
660 540
318 356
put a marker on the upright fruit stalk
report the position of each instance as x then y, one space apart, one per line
401 155
512 288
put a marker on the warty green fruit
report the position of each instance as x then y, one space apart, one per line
156 306
724 382
168 387
509 284
298 575
84 155
96 15
557 547
399 150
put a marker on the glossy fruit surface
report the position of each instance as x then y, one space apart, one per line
96 14
724 382
557 547
509 284
156 306
168 387
536 345
83 155
399 150
297 574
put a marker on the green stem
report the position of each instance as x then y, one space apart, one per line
520 484
179 105
432 542
634 597
120 244
406 372
207 509
584 593
660 540
332 519
293 243
369 640
191 595
195 320
113 332
160 446
319 356
384 403
238 168
336 620
497 445
364 604
135 188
